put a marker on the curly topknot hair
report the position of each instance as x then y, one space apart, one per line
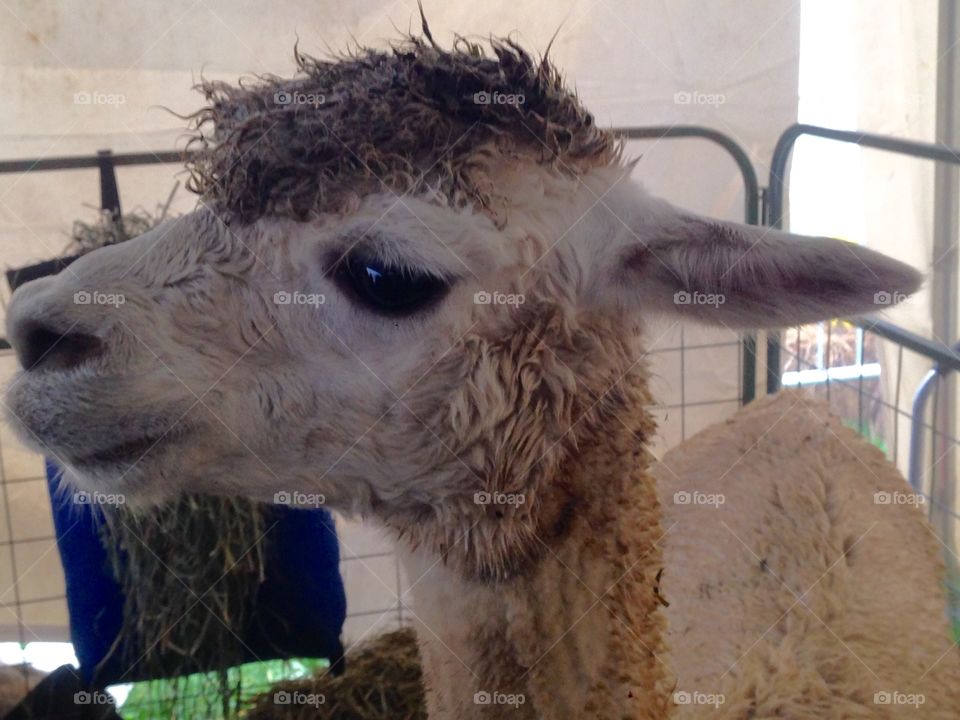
415 118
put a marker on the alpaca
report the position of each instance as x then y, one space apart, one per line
416 291
787 560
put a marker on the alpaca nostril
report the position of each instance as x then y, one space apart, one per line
48 349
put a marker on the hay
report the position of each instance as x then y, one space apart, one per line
415 118
382 681
109 229
190 572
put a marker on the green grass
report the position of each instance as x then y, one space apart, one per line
199 696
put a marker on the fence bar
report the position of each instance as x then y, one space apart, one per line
80 162
751 183
109 192
946 357
784 147
918 409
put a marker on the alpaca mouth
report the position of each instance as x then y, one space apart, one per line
128 452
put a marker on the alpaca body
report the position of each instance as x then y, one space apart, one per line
804 594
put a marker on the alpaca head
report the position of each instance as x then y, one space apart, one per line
416 276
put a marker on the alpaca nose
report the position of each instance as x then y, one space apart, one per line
41 347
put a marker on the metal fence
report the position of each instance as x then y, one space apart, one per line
802 356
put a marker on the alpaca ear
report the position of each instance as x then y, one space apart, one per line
746 276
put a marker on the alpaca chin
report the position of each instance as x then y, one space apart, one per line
129 484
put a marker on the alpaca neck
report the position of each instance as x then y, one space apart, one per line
577 633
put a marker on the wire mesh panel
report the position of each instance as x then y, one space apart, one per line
699 376
374 581
695 379
32 589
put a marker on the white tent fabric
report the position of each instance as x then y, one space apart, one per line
80 76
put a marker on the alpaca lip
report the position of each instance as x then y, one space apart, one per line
130 451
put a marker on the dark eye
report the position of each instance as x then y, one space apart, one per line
386 289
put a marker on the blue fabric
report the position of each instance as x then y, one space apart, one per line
301 604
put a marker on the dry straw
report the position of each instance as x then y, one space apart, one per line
190 572
382 682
